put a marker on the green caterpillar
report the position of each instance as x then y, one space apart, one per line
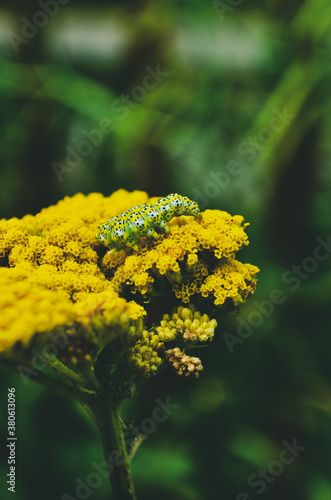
125 230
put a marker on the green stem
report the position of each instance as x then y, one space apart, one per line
114 450
89 374
104 412
63 371
56 385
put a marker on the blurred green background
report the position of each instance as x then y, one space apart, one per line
227 103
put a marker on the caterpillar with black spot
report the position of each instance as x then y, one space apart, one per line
125 230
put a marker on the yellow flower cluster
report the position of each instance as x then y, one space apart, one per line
55 275
50 278
186 324
27 309
230 280
195 257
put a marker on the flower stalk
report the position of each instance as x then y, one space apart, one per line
110 429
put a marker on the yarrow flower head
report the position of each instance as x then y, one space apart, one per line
100 310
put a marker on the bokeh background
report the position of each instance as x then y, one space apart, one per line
235 113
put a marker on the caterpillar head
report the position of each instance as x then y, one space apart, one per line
183 205
194 209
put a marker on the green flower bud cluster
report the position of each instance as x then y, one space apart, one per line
186 324
143 357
